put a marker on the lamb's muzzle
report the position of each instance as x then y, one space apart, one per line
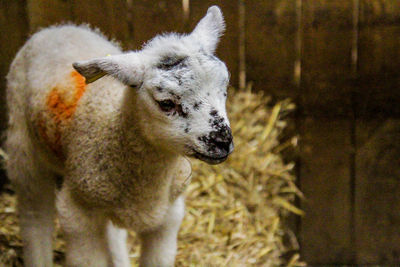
220 145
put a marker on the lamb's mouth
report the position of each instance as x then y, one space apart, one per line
209 159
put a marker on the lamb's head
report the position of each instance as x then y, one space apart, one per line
180 89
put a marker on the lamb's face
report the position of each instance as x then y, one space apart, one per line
181 89
184 96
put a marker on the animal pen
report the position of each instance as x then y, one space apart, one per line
337 60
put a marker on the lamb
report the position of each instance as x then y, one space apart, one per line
102 136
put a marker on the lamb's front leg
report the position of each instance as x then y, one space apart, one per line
117 242
159 246
85 233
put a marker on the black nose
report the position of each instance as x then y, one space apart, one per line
222 138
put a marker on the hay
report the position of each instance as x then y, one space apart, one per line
235 211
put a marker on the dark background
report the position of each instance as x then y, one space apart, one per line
339 60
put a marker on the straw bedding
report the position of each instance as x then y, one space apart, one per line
234 211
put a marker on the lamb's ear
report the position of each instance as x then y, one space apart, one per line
209 29
125 67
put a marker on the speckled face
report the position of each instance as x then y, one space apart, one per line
181 89
187 95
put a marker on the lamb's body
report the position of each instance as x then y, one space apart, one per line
100 134
133 180
102 138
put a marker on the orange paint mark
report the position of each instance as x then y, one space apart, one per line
62 105
62 108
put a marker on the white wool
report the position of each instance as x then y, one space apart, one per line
115 147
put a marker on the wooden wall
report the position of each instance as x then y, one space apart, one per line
349 123
339 60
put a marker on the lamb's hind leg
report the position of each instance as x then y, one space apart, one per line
35 194
159 246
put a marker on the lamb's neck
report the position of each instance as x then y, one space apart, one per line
134 144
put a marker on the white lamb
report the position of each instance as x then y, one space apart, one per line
110 152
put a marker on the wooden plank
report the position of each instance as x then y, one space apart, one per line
228 48
377 136
111 17
326 90
326 229
379 12
379 60
377 198
13 33
326 171
377 91
155 17
270 46
42 13
119 19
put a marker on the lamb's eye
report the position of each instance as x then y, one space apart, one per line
166 105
